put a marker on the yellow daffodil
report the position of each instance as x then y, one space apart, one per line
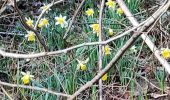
106 50
29 22
82 64
43 22
30 36
95 28
111 4
90 12
133 49
110 32
26 77
104 77
166 53
45 8
119 11
61 20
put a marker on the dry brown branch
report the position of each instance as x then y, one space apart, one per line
150 21
34 88
144 36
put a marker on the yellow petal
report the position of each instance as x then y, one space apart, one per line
111 4
166 53
110 32
90 12
104 77
31 36
120 11
95 28
83 67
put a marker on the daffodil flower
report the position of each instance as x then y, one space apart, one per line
106 50
133 49
29 22
61 20
43 22
90 12
26 77
45 8
95 28
119 11
165 53
30 36
110 32
104 77
111 4
82 64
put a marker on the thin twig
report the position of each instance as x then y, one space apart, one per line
161 10
34 88
73 18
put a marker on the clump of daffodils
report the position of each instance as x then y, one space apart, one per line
82 65
106 49
30 36
29 22
119 11
26 77
90 12
104 77
61 20
43 22
165 53
95 28
111 4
